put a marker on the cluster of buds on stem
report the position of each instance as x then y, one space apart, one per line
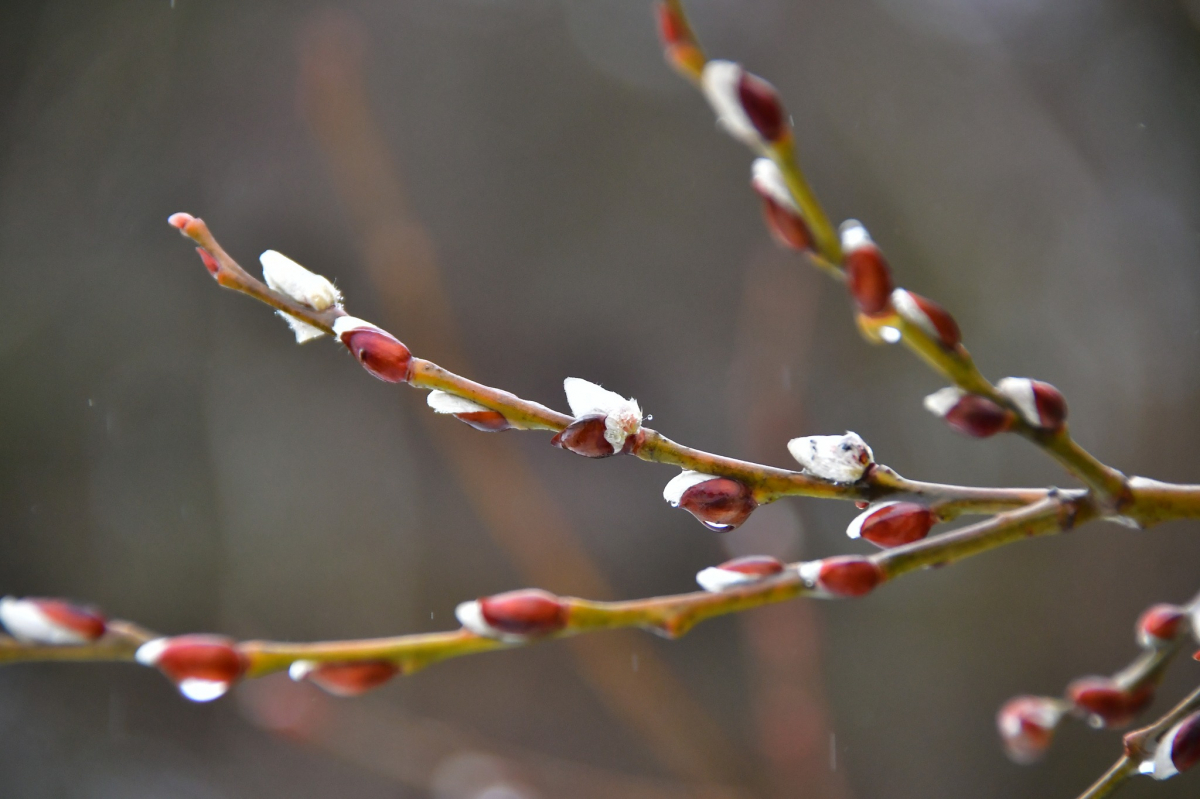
348 678
514 617
379 352
1026 725
739 571
839 459
969 414
1178 750
780 210
841 576
203 667
54 622
469 412
892 524
719 503
747 107
605 422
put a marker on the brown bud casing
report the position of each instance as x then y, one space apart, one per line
895 524
1106 703
379 352
526 612
202 666
680 49
1051 405
869 279
350 678
1026 725
1182 744
487 421
969 414
85 622
930 317
1161 624
585 436
762 105
785 225
848 575
754 565
719 504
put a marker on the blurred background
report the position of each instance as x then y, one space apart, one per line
523 191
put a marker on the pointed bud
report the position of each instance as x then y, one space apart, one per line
780 210
868 277
891 524
1106 703
307 288
1161 625
347 678
842 459
1178 750
203 667
680 49
605 422
969 414
379 352
467 411
36 620
1040 404
719 503
1026 725
210 263
924 313
514 616
844 575
746 105
739 571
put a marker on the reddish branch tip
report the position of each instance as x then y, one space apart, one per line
1026 725
350 678
1106 704
748 569
1178 750
203 667
930 317
719 503
514 616
50 621
969 414
680 50
844 575
180 220
1161 624
868 276
891 524
379 352
1040 404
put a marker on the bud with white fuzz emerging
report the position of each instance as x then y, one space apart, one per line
780 211
843 576
924 313
739 571
344 678
1178 750
50 621
719 503
605 422
747 107
1040 404
840 459
203 667
868 276
379 352
468 411
515 616
1026 725
969 414
892 524
307 288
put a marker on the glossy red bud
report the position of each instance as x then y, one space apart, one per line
1179 748
1051 405
1106 703
926 314
755 565
487 421
785 225
894 524
202 666
350 678
719 504
848 575
1161 624
969 414
379 352
869 279
1026 725
50 621
763 108
528 611
585 436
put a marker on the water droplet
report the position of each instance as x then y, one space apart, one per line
202 690
889 334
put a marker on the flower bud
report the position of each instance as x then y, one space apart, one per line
203 667
1026 725
891 524
1040 404
50 621
747 107
681 50
379 352
780 211
719 503
1178 750
749 569
346 678
841 459
1161 625
514 616
868 277
307 288
969 414
1106 703
605 422
844 575
924 313
467 411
